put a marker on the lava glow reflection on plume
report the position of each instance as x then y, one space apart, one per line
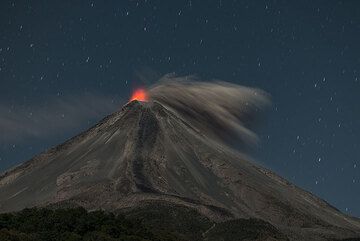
140 95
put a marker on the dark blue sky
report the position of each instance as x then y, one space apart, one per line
66 64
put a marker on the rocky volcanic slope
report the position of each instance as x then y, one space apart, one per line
146 153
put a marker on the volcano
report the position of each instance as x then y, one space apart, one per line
148 153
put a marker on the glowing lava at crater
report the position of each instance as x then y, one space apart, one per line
140 95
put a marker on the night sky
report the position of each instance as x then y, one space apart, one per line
64 65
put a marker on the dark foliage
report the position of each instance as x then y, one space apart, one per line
182 222
244 229
154 222
71 224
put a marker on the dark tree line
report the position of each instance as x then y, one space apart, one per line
74 225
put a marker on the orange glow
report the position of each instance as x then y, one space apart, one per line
140 95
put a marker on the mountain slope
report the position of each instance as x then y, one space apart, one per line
146 153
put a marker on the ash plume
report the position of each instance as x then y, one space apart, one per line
219 109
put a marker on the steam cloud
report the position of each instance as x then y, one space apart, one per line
218 109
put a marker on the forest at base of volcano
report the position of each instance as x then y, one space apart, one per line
153 222
150 222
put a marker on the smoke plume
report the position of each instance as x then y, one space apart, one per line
218 109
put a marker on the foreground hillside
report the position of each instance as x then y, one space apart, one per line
150 222
146 223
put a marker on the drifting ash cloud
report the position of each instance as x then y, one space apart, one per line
219 109
44 120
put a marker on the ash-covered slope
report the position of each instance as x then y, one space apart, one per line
147 153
